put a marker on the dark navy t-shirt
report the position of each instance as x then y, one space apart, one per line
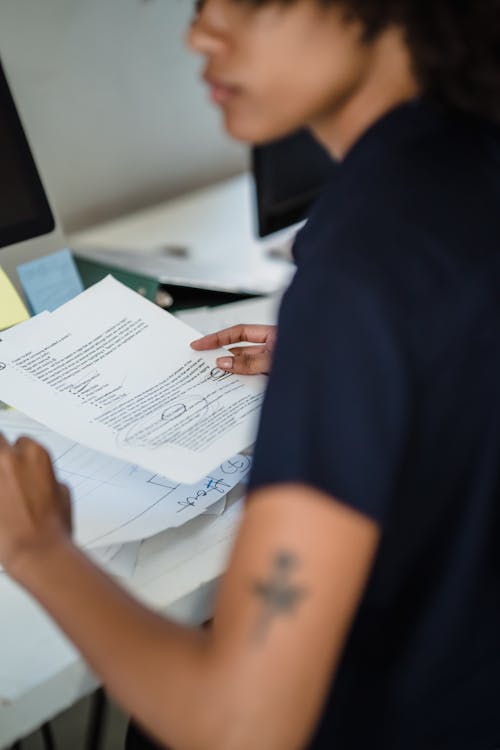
385 393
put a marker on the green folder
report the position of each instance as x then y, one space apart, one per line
92 271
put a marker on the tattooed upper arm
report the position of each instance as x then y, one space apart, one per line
294 583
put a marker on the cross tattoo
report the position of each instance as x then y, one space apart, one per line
279 595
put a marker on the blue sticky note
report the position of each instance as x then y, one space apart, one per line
50 281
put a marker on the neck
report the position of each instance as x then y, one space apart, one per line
388 83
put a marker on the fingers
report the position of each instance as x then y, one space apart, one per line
256 334
65 495
31 451
35 511
254 350
34 457
29 447
246 363
7 479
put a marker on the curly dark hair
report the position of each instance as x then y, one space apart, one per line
454 44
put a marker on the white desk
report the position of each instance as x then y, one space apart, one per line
40 672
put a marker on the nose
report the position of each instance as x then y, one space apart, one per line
204 36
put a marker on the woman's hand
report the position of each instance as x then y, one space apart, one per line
246 360
35 510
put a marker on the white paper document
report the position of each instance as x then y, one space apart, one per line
263 310
116 502
114 372
118 559
121 559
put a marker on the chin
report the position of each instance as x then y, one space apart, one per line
253 131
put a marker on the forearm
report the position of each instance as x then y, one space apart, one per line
158 671
260 676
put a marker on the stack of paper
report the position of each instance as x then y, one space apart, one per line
116 502
112 371
144 430
262 310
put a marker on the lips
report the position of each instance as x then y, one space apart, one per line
220 91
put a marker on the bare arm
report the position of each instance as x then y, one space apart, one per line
259 677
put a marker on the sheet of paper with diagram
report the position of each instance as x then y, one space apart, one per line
116 502
115 373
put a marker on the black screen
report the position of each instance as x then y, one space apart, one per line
289 175
24 209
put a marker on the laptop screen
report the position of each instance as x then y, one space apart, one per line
24 209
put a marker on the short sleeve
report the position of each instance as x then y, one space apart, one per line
336 411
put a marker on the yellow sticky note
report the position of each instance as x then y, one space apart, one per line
12 309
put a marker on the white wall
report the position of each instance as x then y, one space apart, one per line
113 103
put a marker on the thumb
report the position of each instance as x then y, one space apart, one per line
246 364
66 508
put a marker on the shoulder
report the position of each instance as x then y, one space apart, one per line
357 253
398 223
417 176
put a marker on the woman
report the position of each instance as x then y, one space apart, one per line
361 607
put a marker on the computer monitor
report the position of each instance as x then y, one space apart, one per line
289 175
27 224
